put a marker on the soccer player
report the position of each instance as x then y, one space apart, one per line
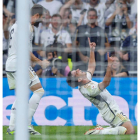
97 94
34 82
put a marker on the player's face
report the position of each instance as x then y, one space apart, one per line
116 63
56 22
4 19
78 73
37 19
92 17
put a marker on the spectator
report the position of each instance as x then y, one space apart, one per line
58 50
53 6
100 7
56 67
66 18
131 5
119 22
76 7
95 33
129 51
68 24
118 70
56 34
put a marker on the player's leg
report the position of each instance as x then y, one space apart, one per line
11 83
130 129
38 92
119 130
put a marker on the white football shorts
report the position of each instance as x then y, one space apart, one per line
115 119
33 78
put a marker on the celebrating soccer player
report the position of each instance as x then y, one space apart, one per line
34 82
97 94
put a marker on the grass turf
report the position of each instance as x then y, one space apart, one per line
69 133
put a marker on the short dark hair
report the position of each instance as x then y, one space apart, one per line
92 9
38 9
50 50
57 15
72 81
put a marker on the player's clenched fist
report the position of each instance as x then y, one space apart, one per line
91 44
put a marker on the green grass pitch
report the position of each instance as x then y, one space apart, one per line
69 133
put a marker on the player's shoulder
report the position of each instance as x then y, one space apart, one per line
13 27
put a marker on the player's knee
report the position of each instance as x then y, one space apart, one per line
35 87
130 131
39 91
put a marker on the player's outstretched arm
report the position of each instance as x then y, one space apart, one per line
107 77
91 63
43 63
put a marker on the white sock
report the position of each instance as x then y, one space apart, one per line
34 102
12 117
119 130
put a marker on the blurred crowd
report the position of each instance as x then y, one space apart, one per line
61 37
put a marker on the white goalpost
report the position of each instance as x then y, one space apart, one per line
22 90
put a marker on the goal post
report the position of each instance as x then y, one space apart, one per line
22 90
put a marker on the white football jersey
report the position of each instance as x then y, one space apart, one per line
101 99
12 50
47 37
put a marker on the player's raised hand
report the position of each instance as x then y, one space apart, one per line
110 60
91 44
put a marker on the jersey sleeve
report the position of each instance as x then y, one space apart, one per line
89 75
